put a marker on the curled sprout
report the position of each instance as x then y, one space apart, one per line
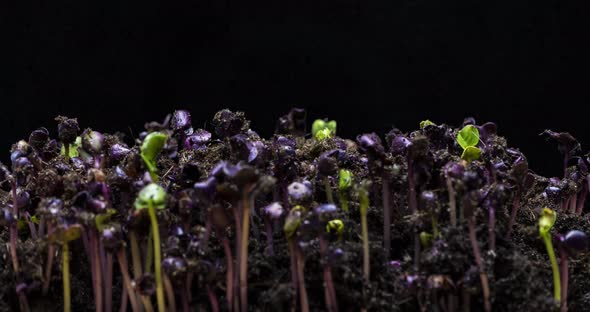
335 226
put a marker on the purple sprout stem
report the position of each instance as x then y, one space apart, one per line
122 259
413 204
136 260
563 263
169 292
184 300
237 218
108 288
573 203
65 255
479 261
515 208
294 271
492 228
124 300
32 227
452 201
229 289
14 231
303 301
329 291
212 299
269 238
328 189
98 284
48 265
247 201
386 216
582 199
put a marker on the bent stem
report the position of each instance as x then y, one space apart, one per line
66 276
122 257
246 206
157 256
229 274
554 267
479 261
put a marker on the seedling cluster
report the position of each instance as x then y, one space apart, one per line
221 219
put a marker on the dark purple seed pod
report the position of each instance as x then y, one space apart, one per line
299 193
566 143
245 175
7 217
327 163
93 141
370 144
118 151
111 238
16 155
454 170
274 211
575 242
486 130
22 164
67 129
468 121
207 188
146 285
242 147
198 140
325 212
292 123
181 120
175 267
39 138
399 145
219 217
553 192
429 200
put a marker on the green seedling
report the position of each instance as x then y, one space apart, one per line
322 129
153 197
546 222
150 149
468 138
426 123
335 226
344 184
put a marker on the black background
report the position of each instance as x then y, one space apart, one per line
368 64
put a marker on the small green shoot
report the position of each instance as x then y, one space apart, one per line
335 226
468 138
321 129
344 184
73 150
546 222
426 123
153 197
150 149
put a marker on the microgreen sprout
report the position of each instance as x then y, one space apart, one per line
322 129
426 123
362 191
571 244
335 226
344 184
468 138
153 197
546 222
150 149
292 223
